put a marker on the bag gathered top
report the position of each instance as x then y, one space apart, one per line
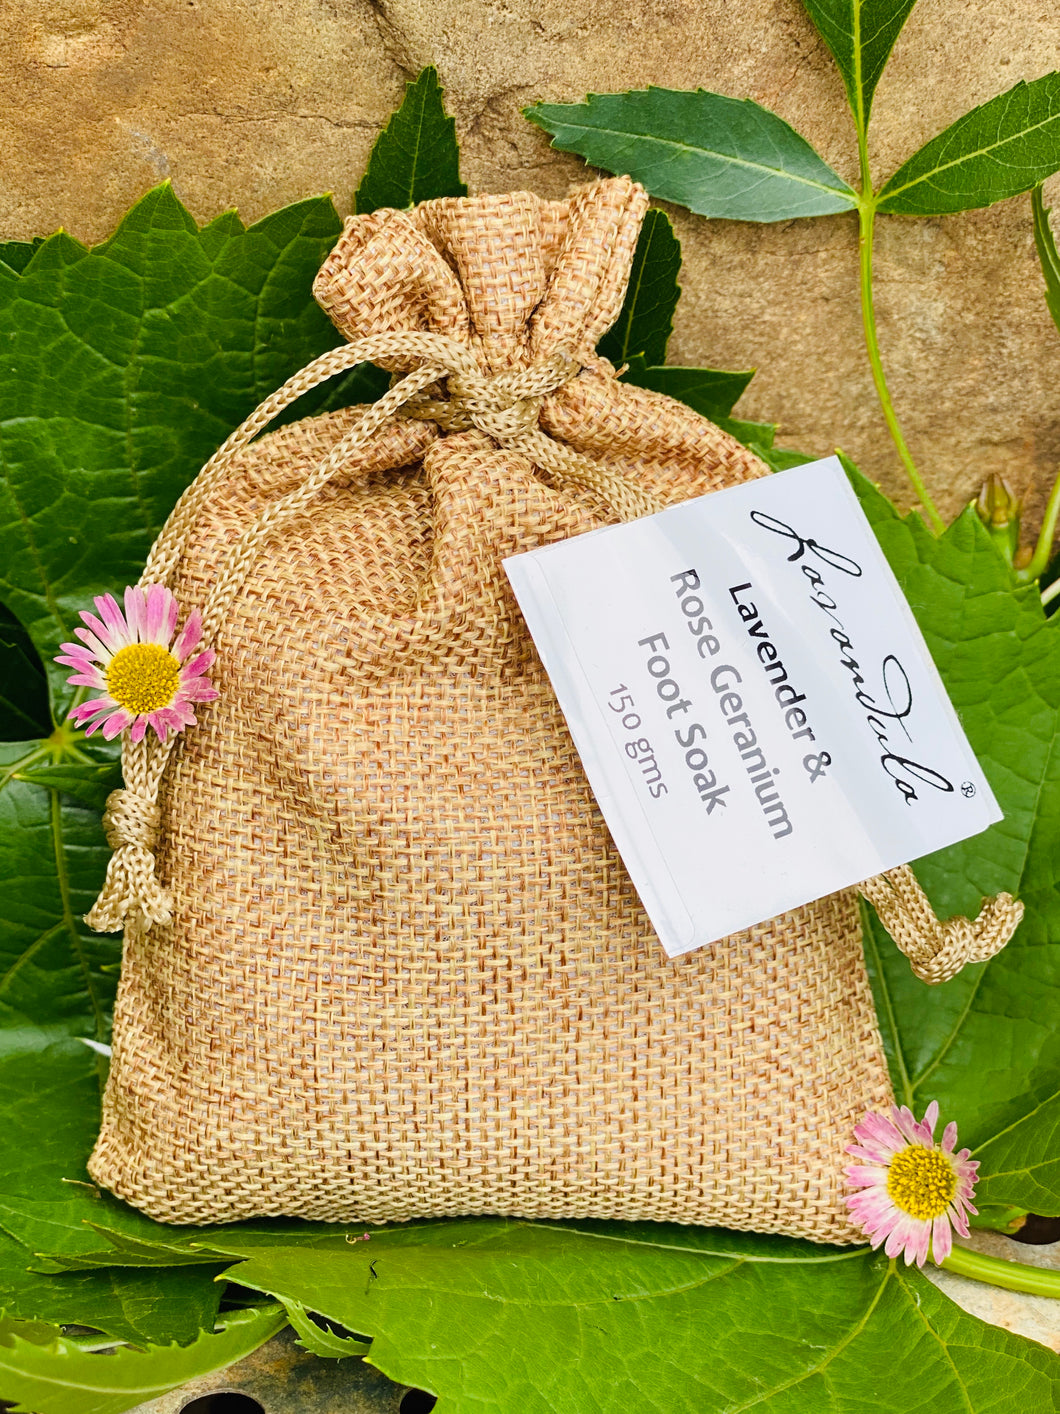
382 959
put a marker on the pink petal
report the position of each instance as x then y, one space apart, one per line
941 1240
112 616
84 662
91 678
874 1205
864 1176
139 727
197 690
201 663
931 1118
874 1213
871 1152
134 611
110 639
906 1237
95 707
906 1124
188 638
115 723
958 1219
160 618
917 1249
886 1226
173 718
98 649
877 1128
949 1137
75 654
169 621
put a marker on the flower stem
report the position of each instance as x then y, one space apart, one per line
866 230
1039 561
1013 1276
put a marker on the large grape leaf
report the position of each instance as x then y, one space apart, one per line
861 35
57 983
563 1318
985 1045
58 1376
23 686
415 157
999 149
721 157
121 370
16 255
142 1308
53 981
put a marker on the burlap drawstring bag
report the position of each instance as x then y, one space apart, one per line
382 959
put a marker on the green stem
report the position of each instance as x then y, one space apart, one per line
1013 1276
866 230
1039 561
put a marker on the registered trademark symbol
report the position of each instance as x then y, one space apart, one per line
967 790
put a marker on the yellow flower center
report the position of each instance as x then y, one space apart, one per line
142 677
921 1182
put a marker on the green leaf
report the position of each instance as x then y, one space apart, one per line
1002 148
780 458
415 157
143 1308
984 1044
60 1378
55 989
721 157
1047 254
121 370
644 325
16 255
23 687
49 1108
52 857
89 782
321 1341
710 391
861 35
652 1317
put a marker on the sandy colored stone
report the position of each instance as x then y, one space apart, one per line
257 104
285 1379
1037 1317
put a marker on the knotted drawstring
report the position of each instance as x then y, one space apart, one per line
505 407
938 950
130 822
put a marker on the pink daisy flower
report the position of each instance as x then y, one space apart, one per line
913 1192
146 677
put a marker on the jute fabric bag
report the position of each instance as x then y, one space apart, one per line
382 958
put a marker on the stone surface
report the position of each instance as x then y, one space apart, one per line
254 105
285 1379
1037 1317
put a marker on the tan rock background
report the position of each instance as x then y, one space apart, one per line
255 103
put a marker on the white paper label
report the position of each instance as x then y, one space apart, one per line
756 710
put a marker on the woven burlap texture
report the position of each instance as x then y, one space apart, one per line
407 974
